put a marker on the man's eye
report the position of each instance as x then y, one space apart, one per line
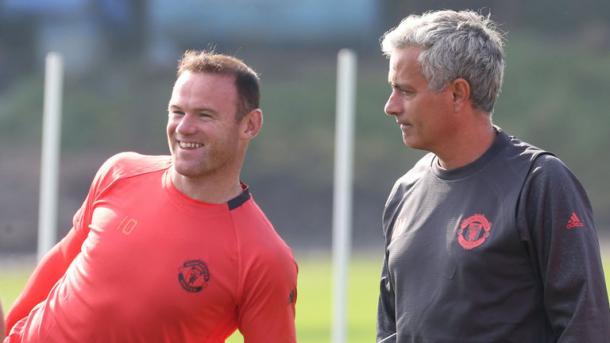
404 91
401 91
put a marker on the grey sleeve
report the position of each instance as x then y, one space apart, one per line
556 221
386 314
386 320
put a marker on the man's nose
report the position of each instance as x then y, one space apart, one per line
392 106
187 124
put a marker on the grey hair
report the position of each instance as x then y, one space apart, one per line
454 45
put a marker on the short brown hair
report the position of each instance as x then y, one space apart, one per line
246 79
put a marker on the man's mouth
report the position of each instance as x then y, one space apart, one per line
189 145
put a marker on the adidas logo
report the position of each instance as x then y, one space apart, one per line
574 222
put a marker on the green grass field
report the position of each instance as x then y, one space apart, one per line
314 312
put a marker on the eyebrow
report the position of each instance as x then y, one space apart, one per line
398 85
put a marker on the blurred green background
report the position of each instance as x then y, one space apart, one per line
120 61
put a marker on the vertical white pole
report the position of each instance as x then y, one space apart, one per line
342 204
49 166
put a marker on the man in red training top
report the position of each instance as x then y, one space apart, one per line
171 248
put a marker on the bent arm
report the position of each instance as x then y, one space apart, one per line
50 269
54 264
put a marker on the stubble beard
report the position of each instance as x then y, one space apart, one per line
212 162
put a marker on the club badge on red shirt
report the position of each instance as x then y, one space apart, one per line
193 275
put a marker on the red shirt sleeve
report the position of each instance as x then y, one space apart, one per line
267 279
55 263
50 269
267 310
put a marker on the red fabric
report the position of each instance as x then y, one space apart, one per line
156 266
50 269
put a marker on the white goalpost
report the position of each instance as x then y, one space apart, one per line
342 198
49 166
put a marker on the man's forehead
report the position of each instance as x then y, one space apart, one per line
404 60
203 81
406 54
191 76
202 90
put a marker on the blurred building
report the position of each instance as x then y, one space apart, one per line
86 31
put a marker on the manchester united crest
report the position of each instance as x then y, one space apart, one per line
193 275
473 231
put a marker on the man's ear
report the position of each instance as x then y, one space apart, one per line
251 124
460 89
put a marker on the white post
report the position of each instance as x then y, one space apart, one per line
49 166
342 201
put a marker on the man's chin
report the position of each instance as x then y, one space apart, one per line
412 143
408 141
188 171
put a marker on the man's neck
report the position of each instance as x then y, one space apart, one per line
211 189
467 146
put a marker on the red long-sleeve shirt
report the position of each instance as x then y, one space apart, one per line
145 263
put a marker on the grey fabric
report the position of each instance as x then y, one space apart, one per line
501 250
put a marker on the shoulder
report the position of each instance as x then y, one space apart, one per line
518 161
542 170
549 163
410 178
267 277
542 165
259 243
125 165
131 163
516 152
401 188
256 231
548 168
551 181
521 146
